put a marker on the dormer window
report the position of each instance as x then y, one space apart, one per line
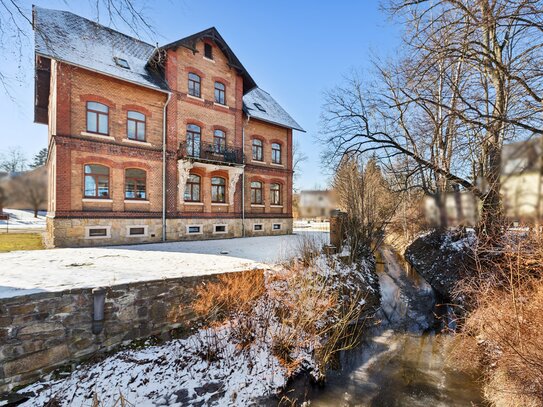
208 51
259 107
123 63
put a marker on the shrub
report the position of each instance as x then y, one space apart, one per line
507 320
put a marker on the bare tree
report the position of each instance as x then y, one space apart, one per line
442 114
31 188
16 27
13 160
364 194
298 158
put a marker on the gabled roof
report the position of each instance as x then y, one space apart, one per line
67 37
270 111
212 34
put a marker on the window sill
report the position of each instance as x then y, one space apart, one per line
193 203
209 59
219 204
136 142
104 200
258 162
221 105
195 98
276 206
277 165
258 206
136 201
102 136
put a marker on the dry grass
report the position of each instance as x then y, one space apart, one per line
296 309
233 293
20 241
506 321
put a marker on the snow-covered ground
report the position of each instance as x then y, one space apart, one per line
178 373
26 272
248 358
23 219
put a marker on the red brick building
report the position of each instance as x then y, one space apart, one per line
156 143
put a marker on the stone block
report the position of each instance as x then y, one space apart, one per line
46 358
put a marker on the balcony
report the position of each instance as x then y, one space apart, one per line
210 153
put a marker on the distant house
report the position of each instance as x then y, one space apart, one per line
521 188
316 204
150 143
522 181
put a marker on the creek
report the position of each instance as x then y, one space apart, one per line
404 360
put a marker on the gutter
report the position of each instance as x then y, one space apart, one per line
243 177
164 167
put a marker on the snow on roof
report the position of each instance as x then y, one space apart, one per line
259 104
67 37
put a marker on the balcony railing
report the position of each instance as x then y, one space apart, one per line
210 152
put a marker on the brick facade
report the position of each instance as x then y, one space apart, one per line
72 146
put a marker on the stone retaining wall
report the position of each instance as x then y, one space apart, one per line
40 332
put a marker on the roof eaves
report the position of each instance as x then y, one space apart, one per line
157 88
298 127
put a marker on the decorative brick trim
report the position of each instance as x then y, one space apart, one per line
97 98
266 169
137 108
221 80
196 122
105 215
191 69
257 178
219 127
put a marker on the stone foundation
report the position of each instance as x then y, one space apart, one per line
77 232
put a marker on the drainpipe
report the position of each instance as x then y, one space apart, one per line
164 167
243 177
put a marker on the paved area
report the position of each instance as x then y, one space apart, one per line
26 272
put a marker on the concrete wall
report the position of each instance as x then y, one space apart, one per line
40 332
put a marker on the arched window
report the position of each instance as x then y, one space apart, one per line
219 141
220 93
135 125
193 140
276 153
135 184
96 181
218 190
194 85
258 151
192 189
275 194
97 118
256 192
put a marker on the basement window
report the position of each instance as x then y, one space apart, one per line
137 231
218 229
276 226
123 63
258 227
259 107
194 230
98 232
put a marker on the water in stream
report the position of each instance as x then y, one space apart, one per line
403 360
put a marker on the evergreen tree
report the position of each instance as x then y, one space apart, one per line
40 158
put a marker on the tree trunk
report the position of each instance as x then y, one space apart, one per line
491 222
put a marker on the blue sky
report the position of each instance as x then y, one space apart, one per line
295 50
